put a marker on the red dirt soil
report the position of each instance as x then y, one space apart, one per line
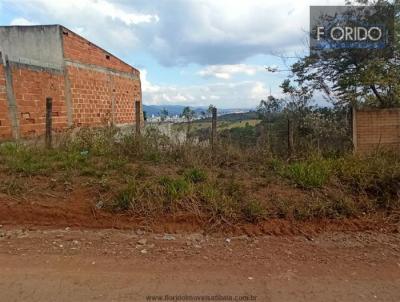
77 209
75 264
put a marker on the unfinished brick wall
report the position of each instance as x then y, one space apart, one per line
375 129
103 88
31 87
91 97
90 87
79 49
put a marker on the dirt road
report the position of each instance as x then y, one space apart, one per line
114 265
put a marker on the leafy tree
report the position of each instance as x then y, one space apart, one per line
163 114
351 76
188 114
268 108
210 110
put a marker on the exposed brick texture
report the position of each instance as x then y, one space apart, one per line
377 129
31 87
91 97
81 50
102 90
5 125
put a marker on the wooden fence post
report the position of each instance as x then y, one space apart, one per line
214 127
137 117
49 122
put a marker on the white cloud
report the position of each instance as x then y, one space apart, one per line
105 8
243 94
219 35
108 23
147 87
176 32
21 21
227 71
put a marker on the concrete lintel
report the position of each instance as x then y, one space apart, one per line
36 68
101 69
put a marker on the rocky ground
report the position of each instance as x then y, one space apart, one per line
71 264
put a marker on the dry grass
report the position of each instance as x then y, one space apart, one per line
150 176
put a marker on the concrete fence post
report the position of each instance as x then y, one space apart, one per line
49 122
137 117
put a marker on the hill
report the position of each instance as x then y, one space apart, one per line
177 109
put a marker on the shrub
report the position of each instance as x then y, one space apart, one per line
125 199
309 174
378 176
140 198
24 159
253 211
195 175
175 188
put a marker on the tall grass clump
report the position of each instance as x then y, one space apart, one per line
20 158
195 175
377 176
313 173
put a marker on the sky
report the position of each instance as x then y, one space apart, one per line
189 52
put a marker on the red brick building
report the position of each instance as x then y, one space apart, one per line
88 85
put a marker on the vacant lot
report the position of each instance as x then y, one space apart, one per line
106 178
110 217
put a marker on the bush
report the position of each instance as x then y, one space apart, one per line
140 198
309 174
377 176
24 159
195 175
253 211
175 188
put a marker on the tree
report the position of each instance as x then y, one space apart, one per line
351 76
268 108
163 114
210 110
188 114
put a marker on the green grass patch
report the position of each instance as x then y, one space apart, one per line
195 175
309 174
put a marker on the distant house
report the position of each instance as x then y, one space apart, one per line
88 85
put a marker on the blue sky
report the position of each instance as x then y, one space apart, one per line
189 52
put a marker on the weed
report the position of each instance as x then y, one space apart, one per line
195 175
175 188
309 174
253 211
23 159
13 186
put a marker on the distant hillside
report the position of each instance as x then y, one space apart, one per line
250 115
177 110
235 117
172 109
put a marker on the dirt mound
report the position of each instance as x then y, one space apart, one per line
78 209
